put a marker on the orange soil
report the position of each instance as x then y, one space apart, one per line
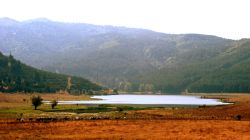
128 129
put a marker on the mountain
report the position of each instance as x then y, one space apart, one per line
18 77
8 22
130 59
228 71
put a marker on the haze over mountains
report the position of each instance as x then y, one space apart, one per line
130 59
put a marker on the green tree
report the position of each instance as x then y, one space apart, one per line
36 101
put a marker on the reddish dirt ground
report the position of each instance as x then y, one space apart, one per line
128 129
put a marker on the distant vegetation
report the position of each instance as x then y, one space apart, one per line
18 77
129 59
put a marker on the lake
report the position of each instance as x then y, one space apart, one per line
148 100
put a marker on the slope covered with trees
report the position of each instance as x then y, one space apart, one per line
226 72
130 59
18 77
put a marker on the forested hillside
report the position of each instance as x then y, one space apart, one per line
18 77
226 72
130 59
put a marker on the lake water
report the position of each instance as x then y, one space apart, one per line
148 100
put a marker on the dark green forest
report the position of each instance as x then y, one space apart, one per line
18 77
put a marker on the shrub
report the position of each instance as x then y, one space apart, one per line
53 104
36 101
238 117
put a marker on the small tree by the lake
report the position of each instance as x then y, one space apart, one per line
36 101
54 104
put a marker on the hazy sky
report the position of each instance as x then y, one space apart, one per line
225 18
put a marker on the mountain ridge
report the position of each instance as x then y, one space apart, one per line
125 58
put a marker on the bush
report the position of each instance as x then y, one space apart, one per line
53 104
238 117
36 101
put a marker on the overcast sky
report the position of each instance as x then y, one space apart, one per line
225 18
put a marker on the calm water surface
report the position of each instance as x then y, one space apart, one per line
148 99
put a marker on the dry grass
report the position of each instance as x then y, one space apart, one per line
235 98
228 97
20 97
128 129
17 100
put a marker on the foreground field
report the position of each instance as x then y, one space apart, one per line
111 122
128 129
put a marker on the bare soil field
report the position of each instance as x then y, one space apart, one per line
129 129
